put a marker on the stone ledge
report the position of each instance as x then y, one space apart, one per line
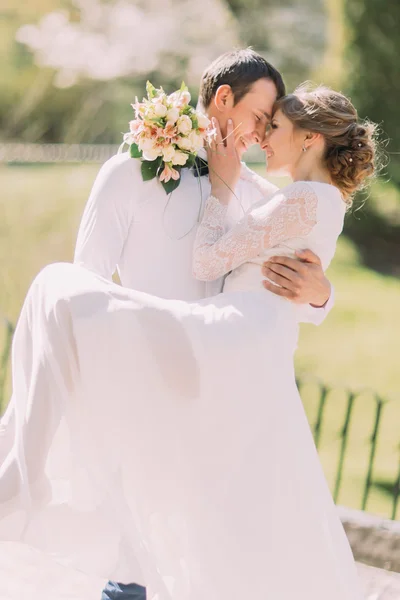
374 540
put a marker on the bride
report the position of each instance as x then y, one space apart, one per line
146 444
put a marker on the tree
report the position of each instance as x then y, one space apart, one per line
374 68
71 67
291 34
84 62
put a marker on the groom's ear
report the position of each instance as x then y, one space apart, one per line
224 98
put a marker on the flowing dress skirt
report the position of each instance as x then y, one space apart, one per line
165 443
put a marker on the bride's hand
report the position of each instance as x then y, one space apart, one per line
223 162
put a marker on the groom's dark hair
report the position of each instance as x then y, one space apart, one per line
239 69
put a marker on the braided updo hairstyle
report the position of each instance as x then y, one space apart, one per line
350 145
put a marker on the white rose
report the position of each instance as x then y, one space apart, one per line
180 98
203 121
168 153
196 141
173 115
184 144
179 158
184 98
145 144
160 110
150 112
151 154
184 124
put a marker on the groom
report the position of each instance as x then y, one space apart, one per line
132 227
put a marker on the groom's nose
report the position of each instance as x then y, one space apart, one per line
264 142
259 132
257 137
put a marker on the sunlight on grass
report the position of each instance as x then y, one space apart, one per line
359 342
40 209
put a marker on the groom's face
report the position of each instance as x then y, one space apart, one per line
250 115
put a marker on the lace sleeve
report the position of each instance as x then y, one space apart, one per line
290 213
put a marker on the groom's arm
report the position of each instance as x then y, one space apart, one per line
107 217
302 281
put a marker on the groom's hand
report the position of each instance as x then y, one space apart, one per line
301 279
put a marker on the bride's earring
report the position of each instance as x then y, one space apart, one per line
304 148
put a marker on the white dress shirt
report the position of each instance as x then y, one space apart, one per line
132 226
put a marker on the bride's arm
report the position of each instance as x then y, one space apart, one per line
107 217
291 213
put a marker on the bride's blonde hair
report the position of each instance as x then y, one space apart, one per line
350 144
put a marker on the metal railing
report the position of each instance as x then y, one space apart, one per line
56 153
342 436
78 153
317 425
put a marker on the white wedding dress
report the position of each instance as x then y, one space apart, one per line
165 442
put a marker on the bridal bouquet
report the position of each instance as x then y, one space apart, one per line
166 135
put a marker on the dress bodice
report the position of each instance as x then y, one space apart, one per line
303 215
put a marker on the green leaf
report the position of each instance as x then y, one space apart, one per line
172 184
195 121
184 87
135 152
150 168
151 90
190 160
157 121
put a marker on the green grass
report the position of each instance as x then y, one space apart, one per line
40 209
358 345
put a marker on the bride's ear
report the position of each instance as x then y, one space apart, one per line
224 98
312 139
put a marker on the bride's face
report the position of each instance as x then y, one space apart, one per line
282 145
